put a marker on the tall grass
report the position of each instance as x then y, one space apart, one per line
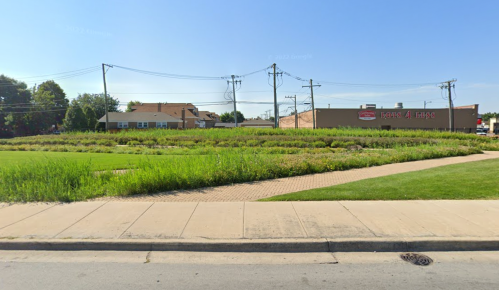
63 180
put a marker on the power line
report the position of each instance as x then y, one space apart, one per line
56 78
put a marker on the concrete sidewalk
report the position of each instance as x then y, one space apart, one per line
253 226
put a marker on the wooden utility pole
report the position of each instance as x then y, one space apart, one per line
234 82
105 93
276 125
311 86
448 85
296 113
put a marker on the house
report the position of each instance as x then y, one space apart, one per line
141 120
186 112
253 123
208 119
257 123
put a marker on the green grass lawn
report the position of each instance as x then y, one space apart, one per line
474 180
100 161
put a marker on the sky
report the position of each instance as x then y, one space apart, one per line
360 51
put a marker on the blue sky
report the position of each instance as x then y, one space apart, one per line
372 46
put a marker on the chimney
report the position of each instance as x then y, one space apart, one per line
183 118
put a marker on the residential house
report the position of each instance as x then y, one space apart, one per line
186 112
140 120
208 119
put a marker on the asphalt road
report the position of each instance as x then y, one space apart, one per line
142 270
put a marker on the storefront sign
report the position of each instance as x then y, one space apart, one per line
367 115
371 115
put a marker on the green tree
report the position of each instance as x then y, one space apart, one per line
486 117
131 104
92 121
49 107
228 117
98 103
75 119
15 103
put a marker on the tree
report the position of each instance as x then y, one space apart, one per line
92 121
15 103
131 104
98 103
271 118
75 119
229 117
49 107
486 117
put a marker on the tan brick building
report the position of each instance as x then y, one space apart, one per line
465 119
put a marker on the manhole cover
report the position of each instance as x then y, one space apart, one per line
416 259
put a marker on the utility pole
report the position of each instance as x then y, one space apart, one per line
311 86
448 85
296 113
234 82
275 95
425 103
105 93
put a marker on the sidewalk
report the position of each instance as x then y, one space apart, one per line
253 226
250 191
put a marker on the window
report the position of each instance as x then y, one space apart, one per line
160 124
142 124
122 124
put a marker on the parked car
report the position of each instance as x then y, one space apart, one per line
481 131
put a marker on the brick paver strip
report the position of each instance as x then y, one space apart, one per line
250 191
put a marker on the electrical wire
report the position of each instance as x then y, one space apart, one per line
56 78
169 75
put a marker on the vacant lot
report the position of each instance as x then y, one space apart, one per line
63 167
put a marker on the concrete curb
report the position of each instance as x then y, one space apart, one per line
257 245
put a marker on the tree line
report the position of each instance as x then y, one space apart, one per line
43 108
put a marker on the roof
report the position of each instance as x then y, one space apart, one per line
173 109
139 117
205 115
225 125
262 122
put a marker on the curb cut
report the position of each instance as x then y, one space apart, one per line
263 245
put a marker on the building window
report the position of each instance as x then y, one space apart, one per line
122 124
160 124
142 124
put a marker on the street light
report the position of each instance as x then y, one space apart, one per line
425 102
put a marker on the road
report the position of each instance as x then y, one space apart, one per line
190 270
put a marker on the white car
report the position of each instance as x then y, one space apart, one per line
481 131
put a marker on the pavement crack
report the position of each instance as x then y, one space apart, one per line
80 219
192 213
347 209
135 221
28 216
300 221
148 258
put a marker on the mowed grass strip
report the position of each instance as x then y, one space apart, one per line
99 161
474 180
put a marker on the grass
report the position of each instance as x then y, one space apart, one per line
474 180
63 167
98 161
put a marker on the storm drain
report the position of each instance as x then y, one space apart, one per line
416 259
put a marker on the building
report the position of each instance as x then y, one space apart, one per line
140 120
186 112
465 118
208 119
257 123
252 123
